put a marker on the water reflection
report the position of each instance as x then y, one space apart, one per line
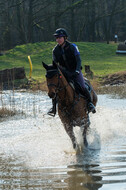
15 175
94 174
85 176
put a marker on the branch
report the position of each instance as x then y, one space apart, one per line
58 14
38 26
15 5
9 7
41 9
109 14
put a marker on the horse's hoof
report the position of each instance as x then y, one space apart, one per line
74 145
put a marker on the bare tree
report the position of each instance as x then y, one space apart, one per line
31 21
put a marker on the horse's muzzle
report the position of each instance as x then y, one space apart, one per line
52 95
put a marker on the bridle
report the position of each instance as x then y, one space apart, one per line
57 86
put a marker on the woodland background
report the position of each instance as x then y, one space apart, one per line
29 21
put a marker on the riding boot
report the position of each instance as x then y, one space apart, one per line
91 107
52 111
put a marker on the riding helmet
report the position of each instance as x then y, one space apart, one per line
60 32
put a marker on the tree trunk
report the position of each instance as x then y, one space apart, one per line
72 23
21 31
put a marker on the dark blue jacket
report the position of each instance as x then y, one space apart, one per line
67 57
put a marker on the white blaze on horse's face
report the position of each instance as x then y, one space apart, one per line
52 86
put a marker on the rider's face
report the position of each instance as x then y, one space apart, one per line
60 40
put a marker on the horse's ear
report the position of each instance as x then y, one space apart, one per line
44 65
55 64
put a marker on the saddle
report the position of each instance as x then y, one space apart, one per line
76 85
78 88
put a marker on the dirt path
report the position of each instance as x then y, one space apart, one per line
116 78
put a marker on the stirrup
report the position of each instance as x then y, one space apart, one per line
91 108
51 112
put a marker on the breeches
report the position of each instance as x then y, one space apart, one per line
80 80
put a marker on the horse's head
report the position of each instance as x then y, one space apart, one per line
52 78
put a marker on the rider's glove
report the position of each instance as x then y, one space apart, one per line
77 72
74 74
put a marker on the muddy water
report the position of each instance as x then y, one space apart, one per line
36 153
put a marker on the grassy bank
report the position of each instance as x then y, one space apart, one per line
100 56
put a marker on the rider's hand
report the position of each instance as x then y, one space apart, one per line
74 74
77 72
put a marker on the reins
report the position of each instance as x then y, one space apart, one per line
58 88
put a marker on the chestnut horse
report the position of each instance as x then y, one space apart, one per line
72 107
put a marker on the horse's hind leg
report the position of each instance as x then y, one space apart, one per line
70 132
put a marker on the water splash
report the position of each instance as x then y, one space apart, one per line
40 140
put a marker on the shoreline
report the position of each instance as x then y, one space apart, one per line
118 78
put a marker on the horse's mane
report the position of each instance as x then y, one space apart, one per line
52 70
51 73
55 69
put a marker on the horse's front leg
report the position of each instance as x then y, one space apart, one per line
85 136
70 132
85 128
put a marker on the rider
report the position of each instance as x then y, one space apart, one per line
68 57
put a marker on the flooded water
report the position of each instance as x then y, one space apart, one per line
36 153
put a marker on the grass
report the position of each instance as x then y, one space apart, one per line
4 112
100 56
